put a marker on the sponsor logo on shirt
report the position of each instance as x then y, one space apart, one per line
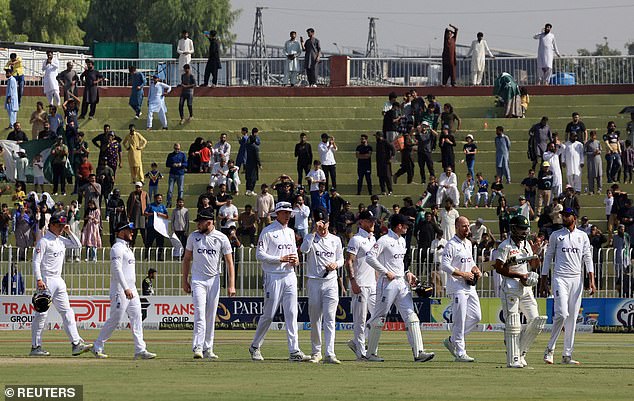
206 251
399 256
325 254
466 260
570 250
285 246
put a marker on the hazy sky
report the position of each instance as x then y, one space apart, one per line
508 25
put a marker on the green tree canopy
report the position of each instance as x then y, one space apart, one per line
51 21
602 49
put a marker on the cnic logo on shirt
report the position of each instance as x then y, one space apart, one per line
285 246
325 254
399 255
570 250
466 260
206 251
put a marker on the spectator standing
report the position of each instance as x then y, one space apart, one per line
593 152
138 201
613 152
134 143
573 158
137 82
577 126
112 156
407 164
545 55
449 118
426 143
69 80
363 154
154 176
12 282
292 50
470 150
628 161
180 221
59 154
12 104
264 206
151 235
391 122
327 148
448 217
301 213
156 101
102 140
312 54
228 215
253 164
478 52
37 120
50 66
530 187
185 49
14 65
91 79
147 285
188 83
502 154
248 221
447 143
115 213
243 139
213 60
91 233
194 158
552 157
449 56
539 137
304 155
177 163
384 153
315 177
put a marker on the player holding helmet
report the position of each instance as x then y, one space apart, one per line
516 292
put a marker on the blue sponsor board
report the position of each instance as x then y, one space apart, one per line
244 312
606 314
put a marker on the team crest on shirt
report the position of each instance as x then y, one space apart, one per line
38 250
198 239
275 236
561 238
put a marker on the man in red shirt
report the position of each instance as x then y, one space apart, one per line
83 172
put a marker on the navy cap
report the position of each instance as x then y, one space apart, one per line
320 214
58 218
398 218
205 214
124 224
569 210
367 215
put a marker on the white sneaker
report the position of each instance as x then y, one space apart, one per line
464 358
567 360
315 358
38 351
332 360
515 365
548 356
523 360
198 353
353 347
298 356
145 354
256 355
450 347
374 358
424 356
209 354
81 347
99 354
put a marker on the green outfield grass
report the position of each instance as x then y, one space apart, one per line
606 371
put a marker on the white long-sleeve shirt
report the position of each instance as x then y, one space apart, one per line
49 255
359 246
122 267
458 256
478 52
388 254
207 252
316 177
570 251
49 80
574 157
276 241
185 49
321 251
327 153
545 49
301 214
451 180
156 96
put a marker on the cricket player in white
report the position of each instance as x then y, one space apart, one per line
516 292
124 297
393 287
278 254
324 255
362 280
568 251
202 257
48 260
457 261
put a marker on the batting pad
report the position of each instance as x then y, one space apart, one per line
531 331
414 336
375 335
512 331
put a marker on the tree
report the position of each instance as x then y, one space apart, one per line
99 24
602 49
6 20
51 21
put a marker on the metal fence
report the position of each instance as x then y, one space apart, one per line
401 71
84 277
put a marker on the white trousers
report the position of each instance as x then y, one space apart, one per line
574 180
162 117
279 288
544 76
476 77
53 97
480 195
518 299
362 304
217 181
13 117
205 294
451 192
323 298
119 305
567 293
57 288
465 312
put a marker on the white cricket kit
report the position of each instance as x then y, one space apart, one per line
388 255
207 251
365 301
458 256
122 277
323 291
280 282
48 260
568 252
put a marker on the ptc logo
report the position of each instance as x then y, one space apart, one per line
625 314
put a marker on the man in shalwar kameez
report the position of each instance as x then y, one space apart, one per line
292 50
156 101
134 143
545 50
11 103
478 51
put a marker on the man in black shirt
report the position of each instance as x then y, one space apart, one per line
391 121
304 155
147 286
364 164
577 126
544 187
101 141
530 187
213 62
17 134
336 206
426 139
425 232
384 153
